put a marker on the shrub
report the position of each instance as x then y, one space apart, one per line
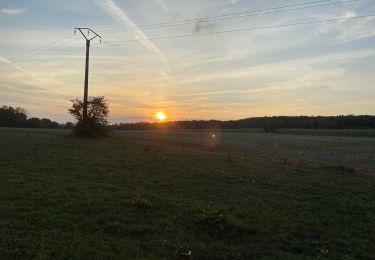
96 124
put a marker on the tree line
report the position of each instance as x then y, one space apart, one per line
267 123
96 124
17 117
98 111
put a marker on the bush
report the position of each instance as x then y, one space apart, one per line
96 124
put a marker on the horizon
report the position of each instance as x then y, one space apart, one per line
321 68
167 120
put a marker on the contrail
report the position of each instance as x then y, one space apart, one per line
19 68
9 62
163 5
112 9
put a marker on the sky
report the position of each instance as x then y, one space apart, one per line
212 59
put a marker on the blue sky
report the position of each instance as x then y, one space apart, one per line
316 69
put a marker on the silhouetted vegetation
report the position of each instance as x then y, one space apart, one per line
269 124
17 117
97 114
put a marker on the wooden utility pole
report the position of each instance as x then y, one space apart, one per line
86 88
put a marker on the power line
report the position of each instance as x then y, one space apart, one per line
208 33
230 16
41 47
118 43
215 16
43 61
32 53
244 29
53 58
57 43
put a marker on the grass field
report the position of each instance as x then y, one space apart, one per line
131 197
356 153
315 132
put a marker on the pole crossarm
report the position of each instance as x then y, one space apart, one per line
87 34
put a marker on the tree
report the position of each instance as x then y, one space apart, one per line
33 122
97 114
12 117
68 125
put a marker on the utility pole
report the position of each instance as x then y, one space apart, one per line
86 33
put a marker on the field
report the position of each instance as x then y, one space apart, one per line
153 195
308 147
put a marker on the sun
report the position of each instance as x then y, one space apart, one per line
160 116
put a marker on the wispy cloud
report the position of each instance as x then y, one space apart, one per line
297 73
111 8
358 30
346 30
12 11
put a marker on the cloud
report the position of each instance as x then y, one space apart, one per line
346 30
357 30
111 8
12 11
298 73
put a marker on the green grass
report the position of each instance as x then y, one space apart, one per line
316 132
292 131
330 132
116 198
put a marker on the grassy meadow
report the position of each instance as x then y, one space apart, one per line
132 198
352 153
318 132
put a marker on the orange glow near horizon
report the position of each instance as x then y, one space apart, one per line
161 116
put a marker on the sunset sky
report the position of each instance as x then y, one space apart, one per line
325 68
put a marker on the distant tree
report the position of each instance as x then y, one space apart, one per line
12 117
33 122
68 125
268 124
47 123
97 114
21 116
